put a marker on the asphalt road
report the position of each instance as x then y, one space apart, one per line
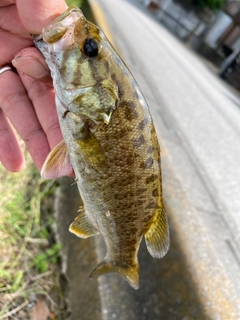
192 109
190 106
197 119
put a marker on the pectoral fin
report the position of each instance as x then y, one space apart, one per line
82 227
92 152
57 163
129 273
157 236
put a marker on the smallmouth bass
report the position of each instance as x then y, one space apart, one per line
109 141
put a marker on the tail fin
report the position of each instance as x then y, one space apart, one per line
130 274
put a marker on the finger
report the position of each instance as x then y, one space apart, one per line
19 110
31 62
37 14
43 99
4 3
10 21
10 45
11 155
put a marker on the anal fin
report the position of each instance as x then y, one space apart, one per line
157 236
82 226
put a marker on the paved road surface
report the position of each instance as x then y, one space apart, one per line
196 115
191 107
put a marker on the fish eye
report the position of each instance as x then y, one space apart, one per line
90 47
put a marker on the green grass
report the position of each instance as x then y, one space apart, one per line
77 3
84 6
29 255
42 260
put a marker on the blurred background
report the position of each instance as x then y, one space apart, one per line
185 56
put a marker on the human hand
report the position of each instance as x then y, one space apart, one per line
27 102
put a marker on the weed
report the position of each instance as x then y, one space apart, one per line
41 262
29 256
77 3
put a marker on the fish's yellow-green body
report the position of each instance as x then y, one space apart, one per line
110 138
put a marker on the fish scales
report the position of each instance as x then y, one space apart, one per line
109 141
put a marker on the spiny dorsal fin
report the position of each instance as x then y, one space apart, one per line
157 236
57 163
82 226
129 273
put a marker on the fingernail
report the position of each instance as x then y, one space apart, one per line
30 66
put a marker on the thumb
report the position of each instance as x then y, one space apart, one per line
35 15
31 62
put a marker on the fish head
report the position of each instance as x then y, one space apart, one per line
80 59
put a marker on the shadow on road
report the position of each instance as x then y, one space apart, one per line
166 287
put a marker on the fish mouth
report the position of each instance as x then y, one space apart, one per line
60 18
61 27
40 43
38 38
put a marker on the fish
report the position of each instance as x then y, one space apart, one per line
110 142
